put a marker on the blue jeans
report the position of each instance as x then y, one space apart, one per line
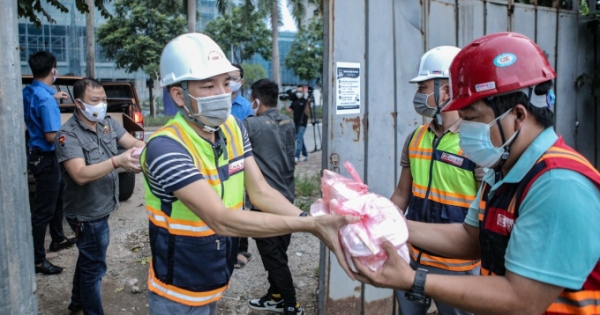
300 141
160 306
92 242
47 210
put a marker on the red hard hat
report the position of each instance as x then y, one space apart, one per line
496 64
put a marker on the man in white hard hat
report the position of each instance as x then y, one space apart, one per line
196 169
437 183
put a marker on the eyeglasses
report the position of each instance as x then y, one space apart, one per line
236 79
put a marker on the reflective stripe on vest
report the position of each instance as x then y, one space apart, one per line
442 177
506 203
182 296
224 173
441 262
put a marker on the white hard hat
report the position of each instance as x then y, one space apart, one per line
435 63
192 56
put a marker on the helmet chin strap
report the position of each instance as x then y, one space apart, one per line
436 97
188 110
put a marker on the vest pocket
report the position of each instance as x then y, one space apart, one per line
200 264
453 214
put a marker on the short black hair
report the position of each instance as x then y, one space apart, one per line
299 86
41 63
543 115
80 85
266 91
239 68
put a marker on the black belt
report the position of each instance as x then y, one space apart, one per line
40 152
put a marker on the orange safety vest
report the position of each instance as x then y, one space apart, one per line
497 217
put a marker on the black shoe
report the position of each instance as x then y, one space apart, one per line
290 310
48 268
74 307
68 242
267 303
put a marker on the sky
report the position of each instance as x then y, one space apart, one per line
288 21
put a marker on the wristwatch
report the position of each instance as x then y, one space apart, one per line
417 293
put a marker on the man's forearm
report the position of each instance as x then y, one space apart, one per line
449 240
257 224
491 295
272 201
90 173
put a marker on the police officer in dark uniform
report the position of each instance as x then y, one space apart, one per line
301 108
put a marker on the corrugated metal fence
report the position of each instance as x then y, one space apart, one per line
387 38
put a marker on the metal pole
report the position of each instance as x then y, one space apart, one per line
90 45
17 278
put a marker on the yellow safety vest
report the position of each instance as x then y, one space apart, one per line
190 263
443 188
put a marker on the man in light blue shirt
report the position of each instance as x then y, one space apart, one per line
240 107
535 222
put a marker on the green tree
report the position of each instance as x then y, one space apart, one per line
252 73
137 34
242 39
305 57
31 9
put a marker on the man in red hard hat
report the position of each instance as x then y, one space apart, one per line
536 219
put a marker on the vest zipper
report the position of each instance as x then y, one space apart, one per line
217 166
218 244
436 142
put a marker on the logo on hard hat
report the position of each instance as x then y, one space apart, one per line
214 55
436 72
485 86
505 60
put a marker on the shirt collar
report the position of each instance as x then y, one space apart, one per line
528 159
43 85
237 100
454 128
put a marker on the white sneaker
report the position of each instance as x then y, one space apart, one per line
303 158
296 159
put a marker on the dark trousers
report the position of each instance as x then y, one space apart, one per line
48 204
243 245
273 252
92 242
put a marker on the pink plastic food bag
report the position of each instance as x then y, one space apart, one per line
380 219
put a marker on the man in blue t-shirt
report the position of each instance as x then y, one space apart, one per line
42 118
240 107
536 217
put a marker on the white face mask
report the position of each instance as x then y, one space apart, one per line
212 110
54 75
235 86
299 95
94 113
255 110
476 143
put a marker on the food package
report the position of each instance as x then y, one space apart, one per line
137 152
380 219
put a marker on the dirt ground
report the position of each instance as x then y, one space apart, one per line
124 287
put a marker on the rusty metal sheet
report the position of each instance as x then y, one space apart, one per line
496 17
344 42
585 105
566 60
470 21
441 23
409 49
523 20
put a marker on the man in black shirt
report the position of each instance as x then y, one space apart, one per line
301 107
272 138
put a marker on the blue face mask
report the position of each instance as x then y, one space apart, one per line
476 144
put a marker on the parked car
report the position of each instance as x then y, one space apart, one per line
123 105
